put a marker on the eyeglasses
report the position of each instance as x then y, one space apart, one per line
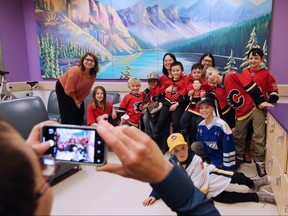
206 60
48 165
89 60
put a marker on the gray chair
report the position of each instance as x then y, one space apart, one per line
53 107
113 97
24 113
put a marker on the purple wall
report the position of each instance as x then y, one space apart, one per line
13 40
20 50
31 40
278 58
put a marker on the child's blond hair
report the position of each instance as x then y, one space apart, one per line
134 80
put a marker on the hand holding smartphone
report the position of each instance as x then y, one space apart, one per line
75 144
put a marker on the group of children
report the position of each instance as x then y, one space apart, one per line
211 180
209 111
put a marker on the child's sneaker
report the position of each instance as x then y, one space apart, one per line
239 161
260 167
266 197
261 182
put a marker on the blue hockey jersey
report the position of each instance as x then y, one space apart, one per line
218 142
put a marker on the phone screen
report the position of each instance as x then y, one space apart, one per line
76 144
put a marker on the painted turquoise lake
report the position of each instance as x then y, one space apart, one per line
141 64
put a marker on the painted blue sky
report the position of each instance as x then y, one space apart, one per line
121 4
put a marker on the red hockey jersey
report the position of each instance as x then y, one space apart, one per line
242 94
133 105
179 89
265 80
153 93
93 114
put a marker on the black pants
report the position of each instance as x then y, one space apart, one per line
234 197
69 112
189 125
164 119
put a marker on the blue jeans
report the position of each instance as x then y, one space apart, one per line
148 124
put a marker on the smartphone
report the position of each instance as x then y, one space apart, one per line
75 144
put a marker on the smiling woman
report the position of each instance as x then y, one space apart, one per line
207 60
74 86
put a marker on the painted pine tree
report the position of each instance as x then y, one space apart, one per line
126 74
68 66
46 56
99 56
231 64
265 52
252 43
51 50
58 71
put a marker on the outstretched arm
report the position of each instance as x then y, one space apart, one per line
142 159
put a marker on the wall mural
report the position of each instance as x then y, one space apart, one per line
130 37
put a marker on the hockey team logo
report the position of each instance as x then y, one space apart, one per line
211 144
235 99
138 107
173 138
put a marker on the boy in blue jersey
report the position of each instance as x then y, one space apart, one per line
215 141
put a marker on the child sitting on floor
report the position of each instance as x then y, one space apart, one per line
209 179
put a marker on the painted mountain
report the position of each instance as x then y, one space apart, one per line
151 24
226 11
156 26
63 28
122 33
81 18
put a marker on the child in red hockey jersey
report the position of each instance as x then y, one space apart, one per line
261 76
132 104
99 108
173 104
154 101
246 98
265 80
196 88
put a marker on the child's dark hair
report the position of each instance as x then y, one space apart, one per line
177 63
197 66
255 52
